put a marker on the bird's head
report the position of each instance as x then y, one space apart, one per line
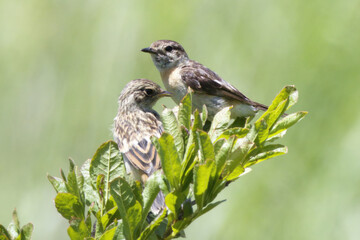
166 54
141 93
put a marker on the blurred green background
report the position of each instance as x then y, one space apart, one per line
64 63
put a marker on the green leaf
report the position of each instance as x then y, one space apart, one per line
137 189
108 162
185 110
99 230
134 218
14 226
238 170
170 160
79 231
174 200
179 225
172 126
57 183
62 175
152 226
222 149
188 164
150 192
119 232
204 114
4 234
72 165
26 231
220 123
129 208
72 184
260 154
91 195
288 92
237 157
206 149
197 124
68 205
209 207
100 185
286 98
185 134
237 132
109 217
286 122
201 180
109 234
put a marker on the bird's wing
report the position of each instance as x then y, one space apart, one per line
143 156
203 80
133 138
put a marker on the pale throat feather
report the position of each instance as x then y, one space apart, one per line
173 83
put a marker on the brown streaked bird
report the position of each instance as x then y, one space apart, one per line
136 122
178 72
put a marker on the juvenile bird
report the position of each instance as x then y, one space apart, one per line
134 125
178 72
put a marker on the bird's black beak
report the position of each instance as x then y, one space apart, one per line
164 94
149 50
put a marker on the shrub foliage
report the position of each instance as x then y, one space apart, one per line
199 159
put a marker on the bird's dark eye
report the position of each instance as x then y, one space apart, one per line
168 48
149 92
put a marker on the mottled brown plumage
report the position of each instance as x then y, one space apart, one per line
178 72
134 125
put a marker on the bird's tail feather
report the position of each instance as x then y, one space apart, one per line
158 204
260 106
263 107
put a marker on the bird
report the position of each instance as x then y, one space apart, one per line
134 125
178 72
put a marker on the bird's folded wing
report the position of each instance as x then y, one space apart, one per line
204 80
143 156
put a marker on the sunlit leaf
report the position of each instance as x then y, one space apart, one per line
91 195
174 200
57 183
4 234
109 234
197 123
119 232
152 226
201 179
286 122
204 114
68 205
237 132
206 149
237 157
14 226
129 208
185 110
222 149
170 160
109 216
79 232
107 161
150 192
26 231
172 127
220 123
286 98
261 154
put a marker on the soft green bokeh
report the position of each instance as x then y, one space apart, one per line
64 63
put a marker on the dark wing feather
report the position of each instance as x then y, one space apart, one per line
144 157
203 80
